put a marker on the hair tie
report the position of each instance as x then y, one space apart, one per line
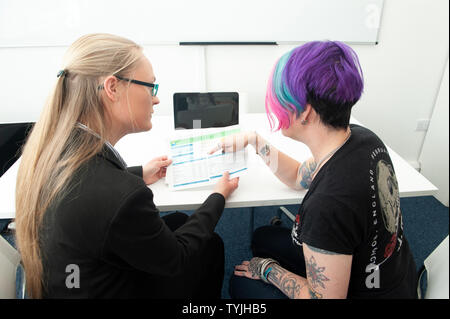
61 73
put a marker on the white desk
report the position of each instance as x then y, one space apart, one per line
259 187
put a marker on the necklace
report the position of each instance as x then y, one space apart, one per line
330 154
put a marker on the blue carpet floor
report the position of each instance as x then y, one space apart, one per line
425 219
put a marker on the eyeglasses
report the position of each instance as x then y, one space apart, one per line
147 84
153 86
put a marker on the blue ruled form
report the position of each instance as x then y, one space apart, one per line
192 165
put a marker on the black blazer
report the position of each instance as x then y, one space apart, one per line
109 228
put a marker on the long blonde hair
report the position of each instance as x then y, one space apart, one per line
54 151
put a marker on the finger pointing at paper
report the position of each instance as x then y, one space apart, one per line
231 143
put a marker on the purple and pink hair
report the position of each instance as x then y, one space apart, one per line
325 74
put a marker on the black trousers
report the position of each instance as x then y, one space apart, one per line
203 277
269 242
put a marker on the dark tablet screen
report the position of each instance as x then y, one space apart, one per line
203 110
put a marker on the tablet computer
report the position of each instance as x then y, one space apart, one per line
205 110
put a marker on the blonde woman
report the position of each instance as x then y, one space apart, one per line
87 226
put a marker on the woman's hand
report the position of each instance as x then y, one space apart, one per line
234 142
156 169
226 186
250 269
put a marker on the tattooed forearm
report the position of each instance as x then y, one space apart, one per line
305 173
264 152
290 287
289 283
275 274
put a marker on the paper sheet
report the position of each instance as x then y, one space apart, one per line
192 166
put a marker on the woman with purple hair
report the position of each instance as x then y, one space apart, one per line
347 240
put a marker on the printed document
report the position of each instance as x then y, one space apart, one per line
192 166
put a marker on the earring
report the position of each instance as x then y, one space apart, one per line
304 122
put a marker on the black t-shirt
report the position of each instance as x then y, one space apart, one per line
353 207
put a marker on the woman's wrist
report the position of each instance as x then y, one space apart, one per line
269 268
251 138
262 148
266 266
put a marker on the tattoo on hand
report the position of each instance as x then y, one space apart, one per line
254 266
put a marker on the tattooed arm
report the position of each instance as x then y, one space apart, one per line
289 171
327 275
304 174
292 173
292 285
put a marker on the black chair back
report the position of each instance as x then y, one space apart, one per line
12 138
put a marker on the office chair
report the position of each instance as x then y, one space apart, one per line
436 268
276 220
12 137
10 271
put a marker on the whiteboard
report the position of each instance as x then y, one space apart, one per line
152 22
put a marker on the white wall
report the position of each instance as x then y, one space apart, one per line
434 156
402 73
56 22
28 75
